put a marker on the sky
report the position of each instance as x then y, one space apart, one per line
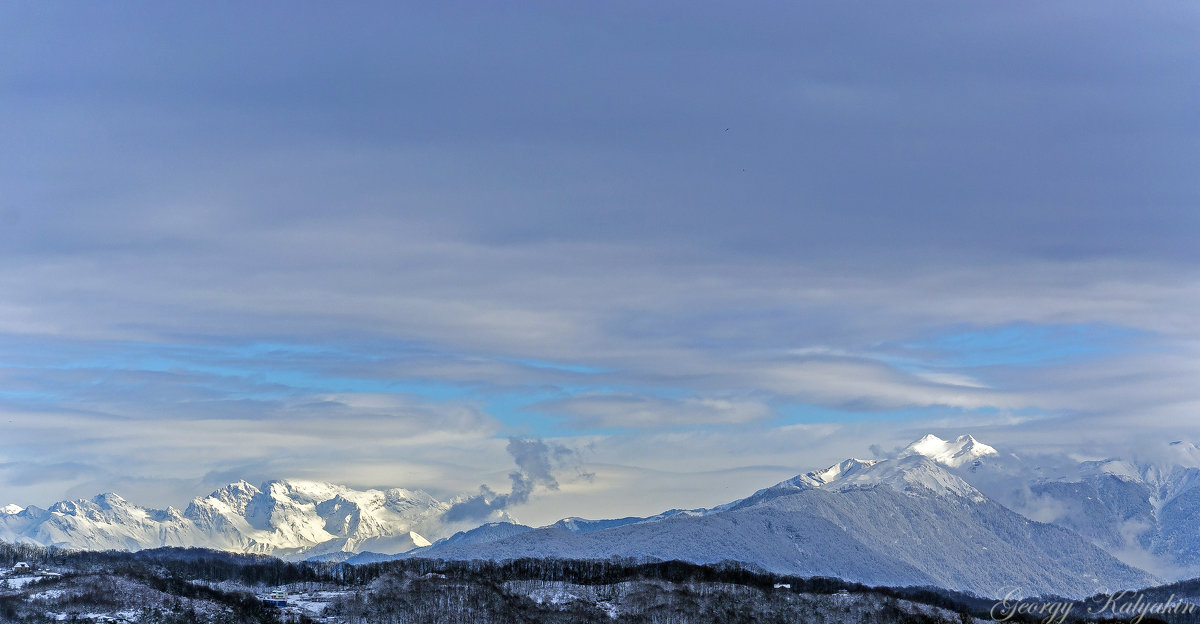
696 248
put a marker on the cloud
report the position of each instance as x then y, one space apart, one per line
535 461
389 440
38 473
359 244
866 384
627 410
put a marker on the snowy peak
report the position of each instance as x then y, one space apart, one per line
914 474
818 478
900 521
957 453
110 500
287 518
234 497
837 471
1119 468
302 491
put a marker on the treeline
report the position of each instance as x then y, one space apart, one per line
177 567
157 584
483 594
156 600
188 563
685 576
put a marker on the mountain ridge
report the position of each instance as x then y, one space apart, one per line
1126 519
910 522
287 518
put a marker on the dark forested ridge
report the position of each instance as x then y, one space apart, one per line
184 585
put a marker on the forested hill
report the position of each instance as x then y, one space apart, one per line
174 585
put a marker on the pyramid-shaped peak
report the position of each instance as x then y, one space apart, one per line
235 493
108 500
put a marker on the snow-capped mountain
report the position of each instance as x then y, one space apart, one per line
911 473
1142 510
954 513
904 521
283 518
964 450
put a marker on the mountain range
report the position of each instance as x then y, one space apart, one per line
951 513
1141 510
909 520
292 519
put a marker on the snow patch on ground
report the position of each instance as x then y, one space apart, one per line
18 582
49 594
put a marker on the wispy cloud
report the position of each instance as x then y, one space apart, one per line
627 410
373 246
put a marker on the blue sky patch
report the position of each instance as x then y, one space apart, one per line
1024 345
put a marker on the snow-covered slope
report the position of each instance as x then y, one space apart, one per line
955 513
1141 509
490 532
962 451
284 518
903 521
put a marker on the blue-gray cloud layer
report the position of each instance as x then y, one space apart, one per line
452 222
